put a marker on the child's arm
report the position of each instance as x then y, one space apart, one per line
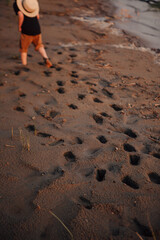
20 20
38 16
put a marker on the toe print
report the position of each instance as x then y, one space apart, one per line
134 160
154 177
116 107
97 119
73 106
97 100
19 109
102 139
61 90
131 183
129 148
69 156
101 175
130 133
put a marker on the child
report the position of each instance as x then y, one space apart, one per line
28 15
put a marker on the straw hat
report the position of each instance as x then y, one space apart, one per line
30 8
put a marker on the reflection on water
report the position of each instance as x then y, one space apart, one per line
141 18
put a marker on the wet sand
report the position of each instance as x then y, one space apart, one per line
80 140
140 19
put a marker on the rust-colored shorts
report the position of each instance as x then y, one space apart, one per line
26 40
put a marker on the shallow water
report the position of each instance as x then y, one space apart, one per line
141 18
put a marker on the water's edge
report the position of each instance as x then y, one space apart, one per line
136 18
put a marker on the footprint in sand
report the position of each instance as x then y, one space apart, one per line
51 101
104 83
95 152
51 115
72 49
44 135
48 114
98 119
129 148
58 69
74 74
73 106
60 83
25 69
61 90
154 177
58 172
73 55
142 229
74 82
117 108
156 155
48 178
101 175
86 203
105 114
79 140
97 100
114 168
93 91
70 157
31 128
81 96
130 133
131 183
102 139
56 143
19 109
48 73
59 53
91 84
2 83
22 95
134 160
147 148
89 173
107 93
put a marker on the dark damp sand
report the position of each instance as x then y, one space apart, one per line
91 126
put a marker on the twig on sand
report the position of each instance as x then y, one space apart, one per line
7 145
139 236
151 228
12 133
71 235
28 144
24 141
154 140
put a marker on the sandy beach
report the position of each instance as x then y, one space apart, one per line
80 142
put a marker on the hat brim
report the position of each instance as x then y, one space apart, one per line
28 14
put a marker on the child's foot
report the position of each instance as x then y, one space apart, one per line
48 63
21 68
25 69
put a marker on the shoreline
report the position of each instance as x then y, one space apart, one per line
137 19
80 140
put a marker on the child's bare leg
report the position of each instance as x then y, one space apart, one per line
43 53
24 58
